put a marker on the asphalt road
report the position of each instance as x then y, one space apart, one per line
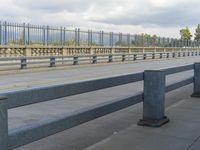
35 79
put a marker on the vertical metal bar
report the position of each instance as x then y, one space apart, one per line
44 42
88 36
142 40
28 34
64 38
129 40
154 99
136 44
91 37
24 34
47 35
61 36
102 38
0 33
99 38
78 37
5 33
111 39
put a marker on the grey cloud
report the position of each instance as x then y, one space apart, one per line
180 15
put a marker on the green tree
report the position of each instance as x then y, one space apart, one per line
185 34
197 33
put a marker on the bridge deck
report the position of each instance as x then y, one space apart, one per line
90 133
120 127
182 133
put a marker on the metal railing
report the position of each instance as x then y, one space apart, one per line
52 61
153 98
27 34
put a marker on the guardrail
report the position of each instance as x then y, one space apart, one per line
52 61
153 98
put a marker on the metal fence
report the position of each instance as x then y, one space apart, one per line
27 34
153 98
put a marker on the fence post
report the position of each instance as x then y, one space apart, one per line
153 55
135 57
167 55
154 99
110 58
179 54
94 59
196 88
52 62
3 124
144 56
23 63
75 60
174 54
161 56
123 57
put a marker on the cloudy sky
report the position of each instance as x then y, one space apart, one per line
162 17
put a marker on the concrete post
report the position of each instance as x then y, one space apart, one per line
23 63
110 58
94 59
3 124
75 60
196 90
52 62
154 99
27 52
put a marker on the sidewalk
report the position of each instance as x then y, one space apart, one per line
181 133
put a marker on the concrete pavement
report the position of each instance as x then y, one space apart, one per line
182 133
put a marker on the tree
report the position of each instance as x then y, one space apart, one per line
197 33
185 34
